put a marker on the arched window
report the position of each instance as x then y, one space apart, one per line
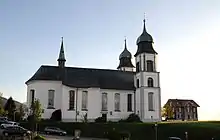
150 66
71 99
104 102
151 101
50 104
117 102
150 82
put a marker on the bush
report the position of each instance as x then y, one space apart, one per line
132 118
100 120
56 115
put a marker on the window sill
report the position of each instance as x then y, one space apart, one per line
70 109
117 110
84 109
151 110
129 111
50 108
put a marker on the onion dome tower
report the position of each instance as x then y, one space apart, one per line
125 60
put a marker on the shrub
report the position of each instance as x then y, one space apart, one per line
56 115
100 120
132 118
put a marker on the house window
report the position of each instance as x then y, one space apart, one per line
194 109
50 99
71 99
117 102
150 82
179 109
137 83
129 102
104 102
188 109
150 66
85 100
32 96
150 101
137 67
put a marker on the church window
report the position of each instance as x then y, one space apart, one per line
137 83
150 67
129 102
32 92
117 102
104 102
85 100
150 101
71 99
137 67
150 82
51 99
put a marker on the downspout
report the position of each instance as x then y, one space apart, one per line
76 104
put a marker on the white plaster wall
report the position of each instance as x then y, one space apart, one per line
152 115
126 69
94 104
123 104
41 92
148 56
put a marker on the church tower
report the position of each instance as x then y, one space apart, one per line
125 60
147 81
61 60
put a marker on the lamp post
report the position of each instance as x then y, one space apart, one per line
186 135
156 125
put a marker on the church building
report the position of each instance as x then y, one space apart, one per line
112 94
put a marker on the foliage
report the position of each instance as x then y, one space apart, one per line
36 110
10 107
167 112
85 118
100 120
132 118
56 115
140 131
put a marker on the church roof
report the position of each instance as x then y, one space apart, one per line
86 77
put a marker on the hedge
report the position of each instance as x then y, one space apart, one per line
140 131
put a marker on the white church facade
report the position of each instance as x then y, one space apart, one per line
113 94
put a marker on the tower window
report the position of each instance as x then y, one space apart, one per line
150 67
150 101
150 82
137 67
137 83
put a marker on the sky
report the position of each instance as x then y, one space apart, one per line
186 36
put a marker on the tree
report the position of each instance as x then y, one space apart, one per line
36 110
35 115
10 107
167 112
85 118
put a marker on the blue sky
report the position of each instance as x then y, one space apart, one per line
186 35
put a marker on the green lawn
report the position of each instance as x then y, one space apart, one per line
144 131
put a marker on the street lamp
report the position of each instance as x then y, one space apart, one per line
186 135
156 125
